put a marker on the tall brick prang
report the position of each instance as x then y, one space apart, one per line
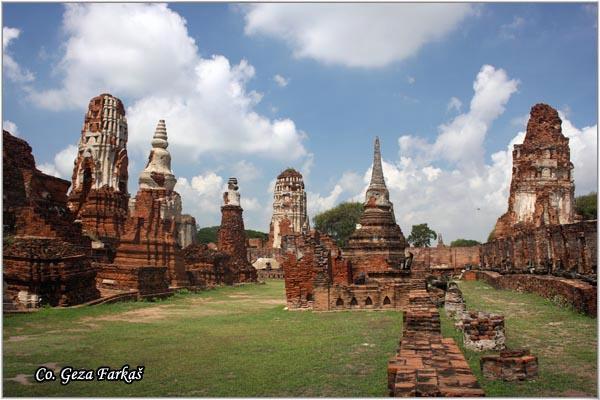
289 207
542 191
99 195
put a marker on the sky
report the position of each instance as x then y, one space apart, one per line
248 90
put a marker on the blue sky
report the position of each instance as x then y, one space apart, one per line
248 90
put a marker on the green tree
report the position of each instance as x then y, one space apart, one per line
209 234
586 206
464 243
421 236
340 221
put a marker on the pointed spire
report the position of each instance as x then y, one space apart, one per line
377 180
157 173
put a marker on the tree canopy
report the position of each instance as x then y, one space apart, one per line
586 206
464 243
339 222
209 234
421 235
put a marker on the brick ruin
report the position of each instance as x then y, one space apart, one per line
150 235
445 260
45 256
232 235
426 364
510 365
482 331
99 195
540 244
289 207
370 273
542 191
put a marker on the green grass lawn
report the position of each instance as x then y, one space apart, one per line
241 342
224 342
564 341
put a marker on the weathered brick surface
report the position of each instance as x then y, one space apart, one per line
289 207
581 295
445 260
427 365
146 279
232 241
542 191
482 331
99 196
561 250
149 240
510 365
45 256
377 245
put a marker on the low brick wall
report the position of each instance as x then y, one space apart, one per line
510 365
146 280
270 274
581 295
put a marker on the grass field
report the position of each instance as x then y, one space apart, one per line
241 342
224 342
564 341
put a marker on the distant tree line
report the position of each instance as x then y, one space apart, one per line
209 234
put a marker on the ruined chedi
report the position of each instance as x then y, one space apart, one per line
232 235
45 255
377 244
99 195
151 231
289 207
542 191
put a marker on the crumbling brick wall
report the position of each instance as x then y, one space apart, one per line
444 260
510 365
482 331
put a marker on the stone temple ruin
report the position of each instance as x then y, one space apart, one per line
96 243
289 207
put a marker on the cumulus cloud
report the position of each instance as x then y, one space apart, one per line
461 140
12 69
148 56
355 35
245 171
583 144
281 81
10 126
202 197
63 163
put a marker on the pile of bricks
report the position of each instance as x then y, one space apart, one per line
510 365
454 304
482 331
427 364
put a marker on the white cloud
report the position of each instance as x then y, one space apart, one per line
245 171
509 31
147 55
454 104
461 140
62 166
281 81
411 80
584 155
202 197
10 126
355 35
12 69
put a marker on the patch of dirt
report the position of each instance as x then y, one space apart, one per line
21 338
21 378
574 393
51 365
240 296
273 301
